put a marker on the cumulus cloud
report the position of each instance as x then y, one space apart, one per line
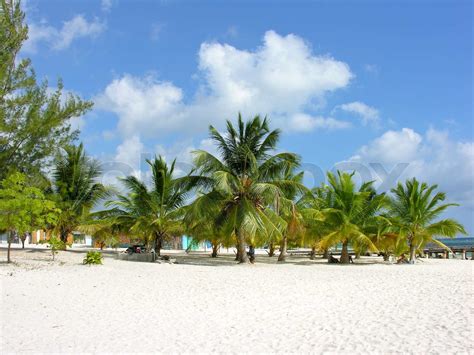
303 123
433 157
282 79
60 39
367 114
144 105
129 152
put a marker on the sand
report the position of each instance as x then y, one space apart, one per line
205 305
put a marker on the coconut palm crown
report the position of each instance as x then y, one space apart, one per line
350 213
241 182
76 188
415 209
153 213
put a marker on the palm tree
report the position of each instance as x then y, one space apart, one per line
312 205
76 188
415 209
241 184
155 213
350 214
290 207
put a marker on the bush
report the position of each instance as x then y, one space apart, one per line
93 258
55 244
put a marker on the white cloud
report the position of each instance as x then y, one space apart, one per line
433 157
144 105
303 123
281 78
59 39
367 114
392 147
129 152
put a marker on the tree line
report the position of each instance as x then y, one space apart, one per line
246 195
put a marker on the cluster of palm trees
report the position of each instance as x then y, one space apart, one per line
248 195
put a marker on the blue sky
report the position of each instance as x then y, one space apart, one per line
363 82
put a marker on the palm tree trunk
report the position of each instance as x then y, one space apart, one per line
312 256
241 252
412 253
215 247
283 249
271 250
325 253
158 245
345 253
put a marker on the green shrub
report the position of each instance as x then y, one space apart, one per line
93 258
55 244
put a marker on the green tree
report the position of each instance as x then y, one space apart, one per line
350 214
34 123
242 183
415 209
76 188
290 206
155 213
23 208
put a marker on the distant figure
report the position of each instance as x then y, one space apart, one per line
332 259
350 259
402 259
251 254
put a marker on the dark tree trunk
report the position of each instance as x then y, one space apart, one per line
345 253
23 242
312 256
326 254
159 242
63 236
271 250
386 256
9 240
283 249
215 247
242 257
412 253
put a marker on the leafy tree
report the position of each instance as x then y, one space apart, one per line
351 213
242 183
156 212
55 244
207 228
34 123
23 208
290 206
103 228
76 188
415 209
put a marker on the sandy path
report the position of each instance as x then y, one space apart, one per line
138 307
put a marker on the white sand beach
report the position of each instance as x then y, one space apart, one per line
206 305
